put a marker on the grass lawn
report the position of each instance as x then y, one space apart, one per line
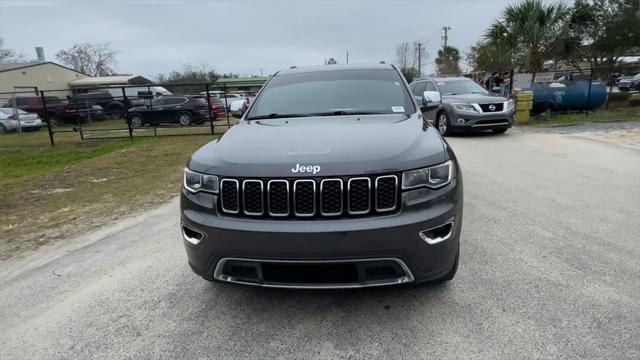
559 119
52 193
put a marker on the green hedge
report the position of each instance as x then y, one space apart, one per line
635 100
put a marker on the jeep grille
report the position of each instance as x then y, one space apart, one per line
309 197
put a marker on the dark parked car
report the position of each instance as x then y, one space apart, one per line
58 110
466 106
351 188
629 83
184 110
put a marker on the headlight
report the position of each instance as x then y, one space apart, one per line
195 182
465 107
433 177
510 104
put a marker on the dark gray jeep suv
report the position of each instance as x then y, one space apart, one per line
331 179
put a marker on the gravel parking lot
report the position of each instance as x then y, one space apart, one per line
550 268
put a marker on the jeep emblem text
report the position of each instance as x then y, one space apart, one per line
308 169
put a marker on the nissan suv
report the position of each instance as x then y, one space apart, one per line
466 106
331 179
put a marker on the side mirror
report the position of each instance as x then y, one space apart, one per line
431 99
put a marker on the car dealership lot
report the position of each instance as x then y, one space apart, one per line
549 268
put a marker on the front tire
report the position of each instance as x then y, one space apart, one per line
136 121
443 124
185 119
54 120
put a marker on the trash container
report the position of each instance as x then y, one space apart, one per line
524 103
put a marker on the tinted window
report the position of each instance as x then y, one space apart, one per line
430 86
378 90
419 88
22 101
158 102
457 87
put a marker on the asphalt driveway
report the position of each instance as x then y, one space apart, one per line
550 268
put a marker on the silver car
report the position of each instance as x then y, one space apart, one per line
9 118
466 106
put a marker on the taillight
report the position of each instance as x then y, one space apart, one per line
198 104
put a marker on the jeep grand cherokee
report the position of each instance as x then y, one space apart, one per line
331 179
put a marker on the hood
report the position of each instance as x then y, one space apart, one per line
338 145
472 98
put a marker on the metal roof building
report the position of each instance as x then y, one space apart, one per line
45 75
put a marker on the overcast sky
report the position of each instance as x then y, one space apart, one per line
244 36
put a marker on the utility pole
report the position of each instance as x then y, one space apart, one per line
446 28
419 59
347 57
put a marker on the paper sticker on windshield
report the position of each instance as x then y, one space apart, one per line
397 108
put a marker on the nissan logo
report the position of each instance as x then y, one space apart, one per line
492 107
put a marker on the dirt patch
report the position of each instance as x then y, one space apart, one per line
628 138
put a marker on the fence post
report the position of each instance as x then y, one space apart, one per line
209 106
126 109
612 80
46 116
74 100
511 73
589 93
226 104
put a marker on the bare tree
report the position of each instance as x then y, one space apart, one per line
403 54
93 59
8 55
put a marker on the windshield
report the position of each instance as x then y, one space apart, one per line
459 87
340 92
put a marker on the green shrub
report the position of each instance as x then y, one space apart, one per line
635 100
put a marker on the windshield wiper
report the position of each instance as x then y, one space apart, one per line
348 112
277 116
326 113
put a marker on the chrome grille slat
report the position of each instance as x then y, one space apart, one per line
300 199
385 199
356 195
325 203
271 202
229 202
248 194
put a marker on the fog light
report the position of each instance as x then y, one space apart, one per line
437 234
461 121
192 236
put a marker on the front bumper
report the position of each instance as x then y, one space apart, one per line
468 121
392 238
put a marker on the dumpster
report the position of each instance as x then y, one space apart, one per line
568 95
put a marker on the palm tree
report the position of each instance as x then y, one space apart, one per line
447 60
528 30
